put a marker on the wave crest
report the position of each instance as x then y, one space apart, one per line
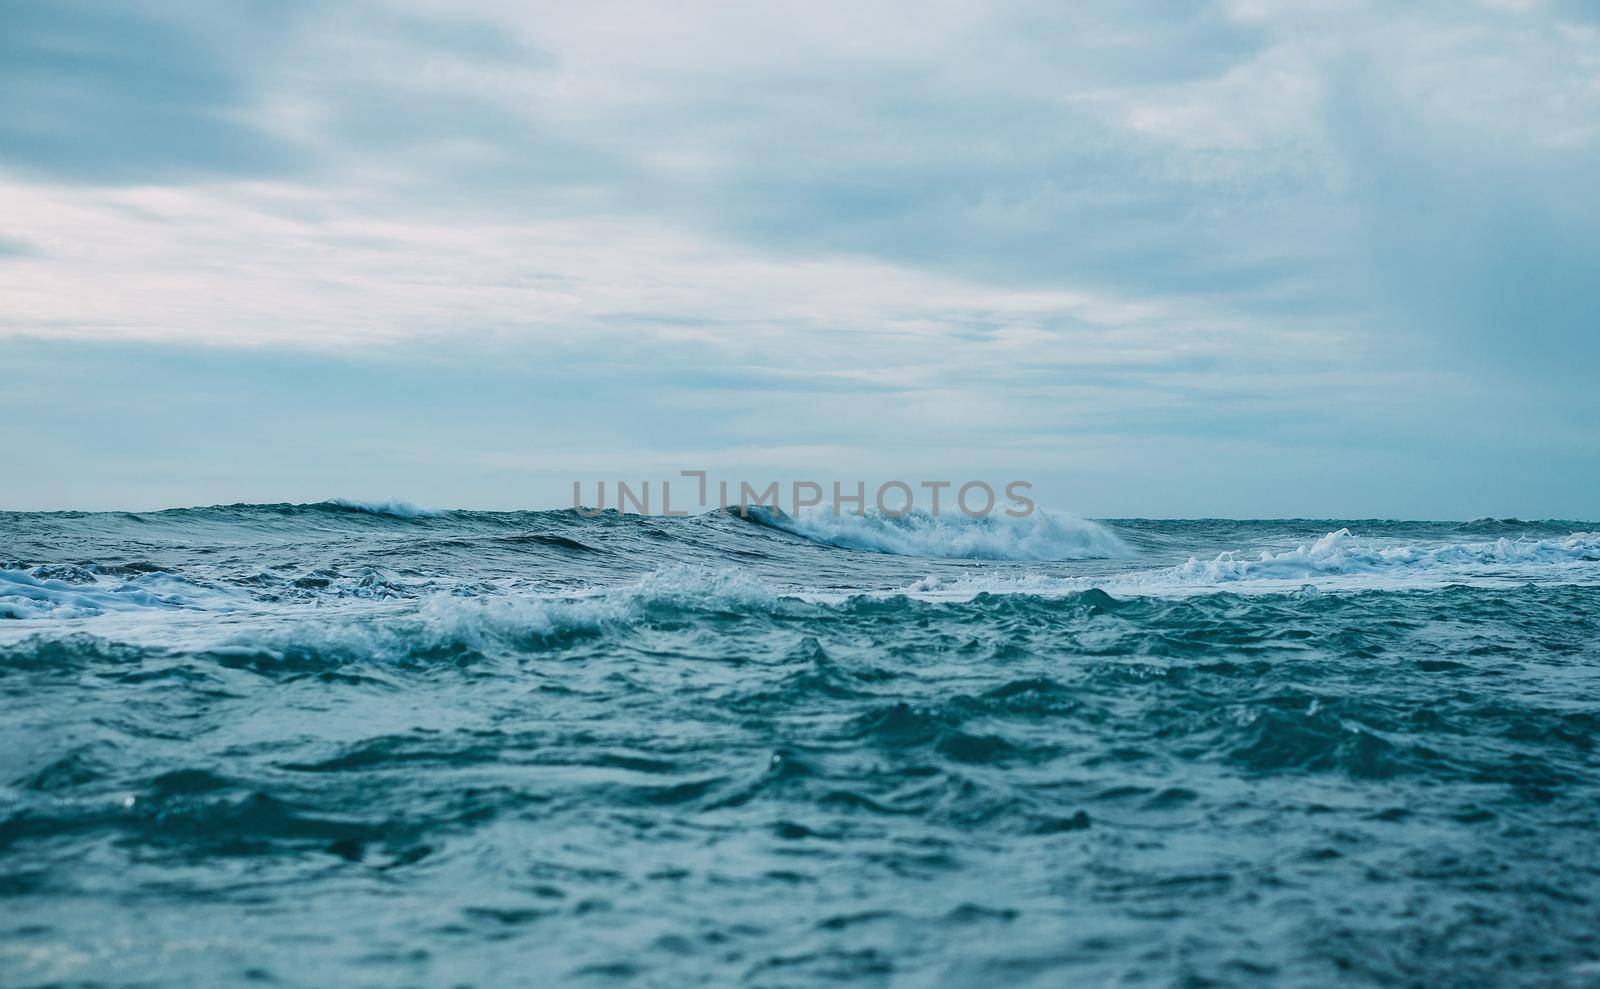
391 506
451 625
1343 553
76 592
1338 555
1040 536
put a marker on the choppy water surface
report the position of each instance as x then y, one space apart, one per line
344 745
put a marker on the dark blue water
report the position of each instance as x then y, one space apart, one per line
333 746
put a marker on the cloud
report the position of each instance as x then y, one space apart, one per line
1057 231
106 92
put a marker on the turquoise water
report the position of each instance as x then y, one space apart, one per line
371 745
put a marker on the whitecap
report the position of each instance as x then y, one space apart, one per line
1338 560
389 506
1042 535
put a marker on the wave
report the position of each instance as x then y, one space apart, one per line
392 506
1339 554
1342 553
528 568
1040 536
75 592
674 590
447 624
1514 526
70 591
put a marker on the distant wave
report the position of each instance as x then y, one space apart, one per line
1342 552
1514 526
1339 554
392 506
1040 536
484 564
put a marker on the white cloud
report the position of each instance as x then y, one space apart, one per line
1022 221
259 264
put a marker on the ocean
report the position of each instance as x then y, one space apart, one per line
373 745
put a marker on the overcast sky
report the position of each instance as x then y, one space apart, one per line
1245 258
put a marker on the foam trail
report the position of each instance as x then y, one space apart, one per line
1040 536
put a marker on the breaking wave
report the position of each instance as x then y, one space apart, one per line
392 506
77 592
1040 536
681 590
1344 553
1339 554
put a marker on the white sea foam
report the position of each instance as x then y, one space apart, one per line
391 506
37 593
682 588
1343 553
953 536
482 622
1339 560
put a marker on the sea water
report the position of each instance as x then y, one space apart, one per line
346 744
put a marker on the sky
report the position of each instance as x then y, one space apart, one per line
1246 259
